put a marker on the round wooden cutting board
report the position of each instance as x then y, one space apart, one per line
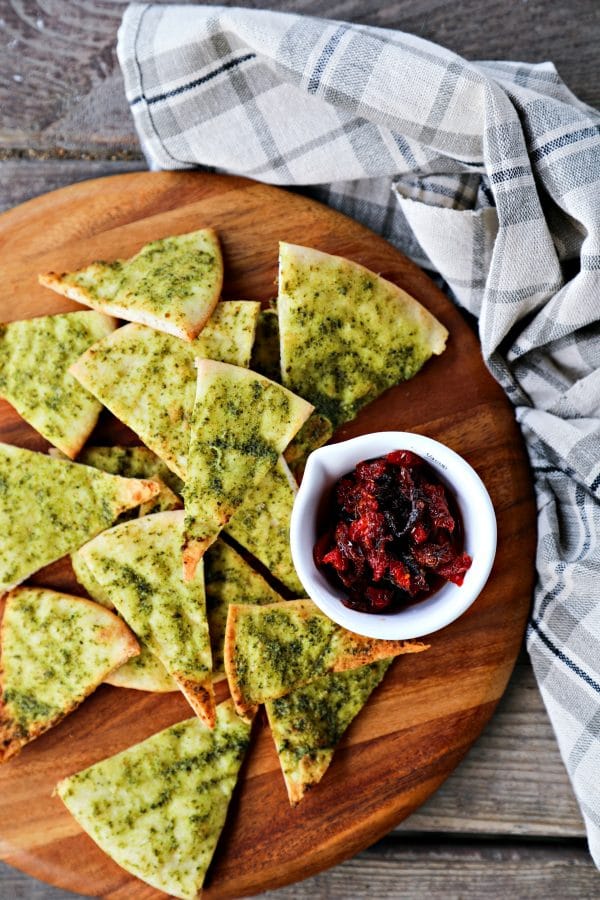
431 706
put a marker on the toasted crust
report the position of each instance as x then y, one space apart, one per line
200 696
243 708
166 500
193 550
360 651
135 491
310 774
13 736
55 281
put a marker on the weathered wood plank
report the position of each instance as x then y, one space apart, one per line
470 871
418 871
23 179
512 781
60 85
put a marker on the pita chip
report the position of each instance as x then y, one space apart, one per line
148 379
138 565
158 808
273 650
172 284
35 356
229 579
262 524
347 334
315 432
265 352
136 462
144 672
55 650
308 723
241 423
50 507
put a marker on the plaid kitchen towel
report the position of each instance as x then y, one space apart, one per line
487 173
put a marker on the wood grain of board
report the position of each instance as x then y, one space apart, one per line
430 708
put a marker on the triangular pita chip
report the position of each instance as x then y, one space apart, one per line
163 826
262 525
229 579
347 334
148 379
136 462
315 432
129 462
138 565
240 424
273 650
49 507
308 724
35 356
172 284
55 650
144 672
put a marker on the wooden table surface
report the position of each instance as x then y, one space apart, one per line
505 823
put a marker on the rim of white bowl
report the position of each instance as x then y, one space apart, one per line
323 468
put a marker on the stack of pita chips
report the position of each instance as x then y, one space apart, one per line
183 544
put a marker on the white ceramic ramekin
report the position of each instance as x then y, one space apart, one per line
329 463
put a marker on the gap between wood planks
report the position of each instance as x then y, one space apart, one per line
433 867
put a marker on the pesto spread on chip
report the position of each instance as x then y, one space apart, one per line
308 724
55 649
136 462
229 579
262 524
138 565
130 462
148 379
35 355
273 650
347 334
172 284
240 424
49 507
144 672
315 432
159 807
85 578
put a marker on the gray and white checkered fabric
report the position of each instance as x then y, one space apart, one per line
487 173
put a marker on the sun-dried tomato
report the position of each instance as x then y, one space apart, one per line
395 534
